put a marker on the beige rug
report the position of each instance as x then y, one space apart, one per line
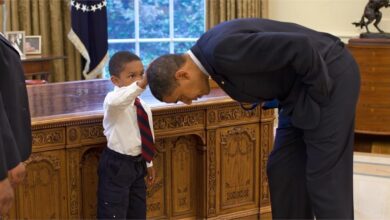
372 186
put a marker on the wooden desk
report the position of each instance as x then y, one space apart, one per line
211 160
39 67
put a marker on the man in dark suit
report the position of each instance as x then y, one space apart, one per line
316 83
15 124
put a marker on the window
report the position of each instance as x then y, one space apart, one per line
151 28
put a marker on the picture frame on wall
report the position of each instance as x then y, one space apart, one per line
33 44
17 40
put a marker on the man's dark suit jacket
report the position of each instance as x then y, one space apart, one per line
15 122
255 60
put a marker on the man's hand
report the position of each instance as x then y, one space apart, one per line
17 174
151 178
6 197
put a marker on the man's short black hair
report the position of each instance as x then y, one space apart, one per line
161 74
117 61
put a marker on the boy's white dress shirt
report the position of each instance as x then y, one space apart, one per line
120 120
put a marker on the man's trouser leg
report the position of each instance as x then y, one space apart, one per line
329 149
286 174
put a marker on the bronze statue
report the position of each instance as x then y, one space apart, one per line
372 13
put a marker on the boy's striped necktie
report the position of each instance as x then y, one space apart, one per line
147 142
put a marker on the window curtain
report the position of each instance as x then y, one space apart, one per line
51 20
218 11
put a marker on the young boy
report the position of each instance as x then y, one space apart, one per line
122 166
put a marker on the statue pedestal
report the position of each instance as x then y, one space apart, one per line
368 45
375 35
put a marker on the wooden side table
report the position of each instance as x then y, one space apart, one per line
373 109
372 130
38 67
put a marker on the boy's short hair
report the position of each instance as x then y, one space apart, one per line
117 61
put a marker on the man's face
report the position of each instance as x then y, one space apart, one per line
191 86
132 71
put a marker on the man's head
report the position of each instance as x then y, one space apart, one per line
175 77
125 68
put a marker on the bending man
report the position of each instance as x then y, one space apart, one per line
316 82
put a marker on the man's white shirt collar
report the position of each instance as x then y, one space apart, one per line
196 61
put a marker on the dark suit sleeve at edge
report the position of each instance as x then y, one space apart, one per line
272 51
9 153
3 164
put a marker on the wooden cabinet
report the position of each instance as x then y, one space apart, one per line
373 108
38 67
211 157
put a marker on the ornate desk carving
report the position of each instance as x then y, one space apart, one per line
211 161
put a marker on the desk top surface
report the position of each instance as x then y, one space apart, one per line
85 98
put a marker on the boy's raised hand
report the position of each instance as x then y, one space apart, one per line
143 82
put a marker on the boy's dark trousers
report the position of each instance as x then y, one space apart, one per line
121 187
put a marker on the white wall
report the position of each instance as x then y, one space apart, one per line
332 16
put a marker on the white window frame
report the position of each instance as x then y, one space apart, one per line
137 40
